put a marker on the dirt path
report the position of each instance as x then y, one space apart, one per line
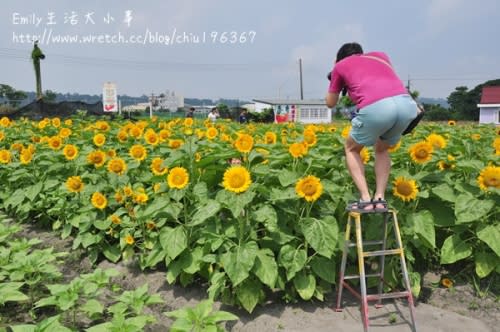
451 310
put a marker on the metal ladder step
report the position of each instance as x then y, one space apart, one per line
356 276
382 252
393 295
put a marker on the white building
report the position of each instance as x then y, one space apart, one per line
489 106
169 100
296 110
140 107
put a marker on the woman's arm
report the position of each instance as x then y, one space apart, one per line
331 99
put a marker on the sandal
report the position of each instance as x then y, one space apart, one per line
380 205
360 206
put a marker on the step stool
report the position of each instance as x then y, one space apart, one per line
388 215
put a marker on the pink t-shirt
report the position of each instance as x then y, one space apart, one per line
367 80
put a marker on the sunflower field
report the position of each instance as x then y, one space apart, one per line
249 209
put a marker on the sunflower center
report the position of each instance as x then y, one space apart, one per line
237 181
404 189
422 153
309 188
492 182
178 179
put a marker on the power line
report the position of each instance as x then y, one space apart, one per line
20 55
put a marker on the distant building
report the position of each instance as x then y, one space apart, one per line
489 106
296 110
169 100
140 107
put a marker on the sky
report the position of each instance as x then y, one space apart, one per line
243 49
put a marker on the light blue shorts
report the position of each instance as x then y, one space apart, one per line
385 119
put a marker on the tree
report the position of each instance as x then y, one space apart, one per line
464 102
460 104
224 111
11 95
49 96
435 112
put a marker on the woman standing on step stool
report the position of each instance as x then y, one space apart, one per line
384 111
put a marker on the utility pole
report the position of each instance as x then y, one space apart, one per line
301 83
151 103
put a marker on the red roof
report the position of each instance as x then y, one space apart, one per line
490 95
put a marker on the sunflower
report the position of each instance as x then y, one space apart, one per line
138 152
365 155
446 283
298 150
151 138
405 189
42 124
55 142
74 184
164 134
197 156
309 188
96 158
2 136
332 128
5 156
117 166
175 143
188 122
270 137
127 190
395 147
244 143
5 122
310 137
122 136
64 132
445 165
452 123
56 122
212 133
141 198
489 178
99 139
475 137
70 151
421 152
129 239
99 201
346 131
102 125
68 122
236 179
115 219
135 131
26 156
16 146
150 225
118 197
178 178
437 141
157 167
111 153
496 143
188 131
